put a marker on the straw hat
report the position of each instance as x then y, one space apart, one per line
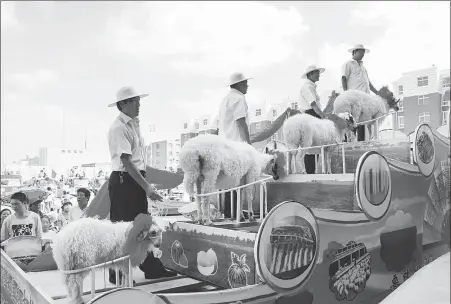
358 47
312 68
126 93
236 78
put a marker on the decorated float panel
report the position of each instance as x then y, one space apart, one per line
308 250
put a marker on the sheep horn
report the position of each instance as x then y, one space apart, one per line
141 225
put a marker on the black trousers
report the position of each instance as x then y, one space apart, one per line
360 133
128 200
310 160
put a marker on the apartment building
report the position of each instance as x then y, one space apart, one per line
165 154
425 98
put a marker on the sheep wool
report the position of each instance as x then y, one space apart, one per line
89 241
304 130
212 162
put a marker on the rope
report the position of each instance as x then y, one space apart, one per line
236 188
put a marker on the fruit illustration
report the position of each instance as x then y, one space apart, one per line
237 273
178 254
207 262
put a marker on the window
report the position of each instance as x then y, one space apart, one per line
205 122
274 113
258 112
424 117
294 105
178 145
400 122
423 81
176 153
185 125
401 106
445 117
257 126
158 146
400 90
445 99
445 82
170 153
275 136
158 153
423 100
170 145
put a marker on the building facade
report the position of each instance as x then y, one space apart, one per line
165 154
424 98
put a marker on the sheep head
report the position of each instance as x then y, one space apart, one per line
343 121
276 162
144 235
389 98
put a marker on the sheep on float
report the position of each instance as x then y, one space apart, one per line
304 130
212 162
364 106
89 241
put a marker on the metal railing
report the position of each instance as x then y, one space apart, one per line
262 182
92 269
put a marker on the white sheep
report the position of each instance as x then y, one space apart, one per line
304 130
211 162
89 241
364 107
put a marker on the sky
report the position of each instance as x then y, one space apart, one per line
63 62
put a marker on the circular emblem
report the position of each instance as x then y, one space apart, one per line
286 248
424 149
373 185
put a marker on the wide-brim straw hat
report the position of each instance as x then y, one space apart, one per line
126 93
359 47
236 78
312 68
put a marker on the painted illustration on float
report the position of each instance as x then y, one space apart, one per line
207 262
398 241
178 254
425 145
238 270
349 271
292 248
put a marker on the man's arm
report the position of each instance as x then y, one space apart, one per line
317 109
244 129
5 231
137 177
373 89
38 227
344 83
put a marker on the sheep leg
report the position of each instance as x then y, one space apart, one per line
301 163
74 283
250 193
208 186
199 201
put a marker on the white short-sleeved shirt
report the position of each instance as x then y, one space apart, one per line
308 95
14 226
356 76
124 137
233 107
75 213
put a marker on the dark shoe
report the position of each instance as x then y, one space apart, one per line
160 274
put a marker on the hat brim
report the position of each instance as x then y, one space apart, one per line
114 103
239 81
366 50
321 70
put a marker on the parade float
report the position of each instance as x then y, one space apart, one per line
351 236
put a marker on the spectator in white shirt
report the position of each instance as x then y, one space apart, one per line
355 77
77 211
309 102
22 222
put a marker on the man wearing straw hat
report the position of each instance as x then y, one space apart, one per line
233 121
128 189
355 77
309 103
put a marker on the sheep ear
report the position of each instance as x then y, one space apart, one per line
142 236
